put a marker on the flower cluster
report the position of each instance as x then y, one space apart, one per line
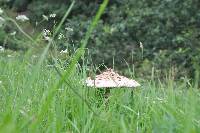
52 15
22 18
64 51
1 49
60 36
69 29
46 34
1 11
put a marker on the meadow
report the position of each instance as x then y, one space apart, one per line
41 93
30 102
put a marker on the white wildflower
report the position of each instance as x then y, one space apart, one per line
0 82
2 49
22 18
45 17
52 15
69 29
2 21
9 56
47 38
159 99
13 33
64 51
112 30
46 34
60 36
34 56
23 112
1 11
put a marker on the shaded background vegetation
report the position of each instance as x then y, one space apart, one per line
169 31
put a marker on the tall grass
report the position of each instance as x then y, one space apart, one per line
156 106
34 97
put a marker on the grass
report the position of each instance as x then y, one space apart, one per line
34 97
156 106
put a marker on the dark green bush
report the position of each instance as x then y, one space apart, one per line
13 42
168 30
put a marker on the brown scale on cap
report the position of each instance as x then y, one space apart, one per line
111 79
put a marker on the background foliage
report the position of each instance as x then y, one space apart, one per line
167 29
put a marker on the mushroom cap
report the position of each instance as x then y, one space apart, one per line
111 79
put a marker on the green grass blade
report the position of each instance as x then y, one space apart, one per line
48 97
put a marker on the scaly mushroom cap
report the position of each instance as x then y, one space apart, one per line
110 79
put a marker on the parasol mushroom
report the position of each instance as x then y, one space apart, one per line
110 79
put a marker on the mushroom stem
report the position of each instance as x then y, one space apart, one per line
107 93
106 96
